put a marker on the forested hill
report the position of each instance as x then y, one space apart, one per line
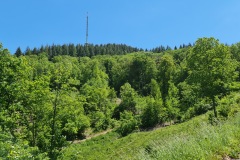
90 50
47 101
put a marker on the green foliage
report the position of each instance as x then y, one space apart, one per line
71 116
142 71
19 149
99 100
207 141
18 52
128 103
128 123
200 107
188 96
155 90
118 71
166 71
211 67
48 97
194 139
229 105
82 50
151 115
36 108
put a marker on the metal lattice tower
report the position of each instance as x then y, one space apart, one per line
87 31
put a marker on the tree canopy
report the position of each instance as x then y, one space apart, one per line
53 95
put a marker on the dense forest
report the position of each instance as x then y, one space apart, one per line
89 50
53 95
79 50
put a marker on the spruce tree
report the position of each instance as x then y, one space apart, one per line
18 52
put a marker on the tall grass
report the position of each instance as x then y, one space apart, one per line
204 142
195 139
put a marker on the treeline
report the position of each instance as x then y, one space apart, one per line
79 50
46 102
90 50
161 48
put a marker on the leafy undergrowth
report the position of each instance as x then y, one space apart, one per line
195 139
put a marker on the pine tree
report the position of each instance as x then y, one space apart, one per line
18 52
28 51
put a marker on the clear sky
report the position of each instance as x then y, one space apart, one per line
139 23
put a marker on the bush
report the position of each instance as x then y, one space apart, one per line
212 119
224 110
128 123
99 121
229 105
199 108
151 114
20 149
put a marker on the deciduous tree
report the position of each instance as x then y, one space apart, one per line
211 67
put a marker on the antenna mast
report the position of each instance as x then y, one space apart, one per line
87 31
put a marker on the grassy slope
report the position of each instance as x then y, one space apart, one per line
195 139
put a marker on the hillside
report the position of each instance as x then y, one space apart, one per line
194 139
47 102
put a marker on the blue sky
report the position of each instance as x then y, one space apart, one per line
139 23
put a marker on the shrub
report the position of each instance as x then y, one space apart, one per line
128 123
151 114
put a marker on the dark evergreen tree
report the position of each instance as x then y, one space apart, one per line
65 50
18 52
168 48
59 50
189 45
35 51
72 50
28 51
42 49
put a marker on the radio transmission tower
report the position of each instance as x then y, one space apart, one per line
87 31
